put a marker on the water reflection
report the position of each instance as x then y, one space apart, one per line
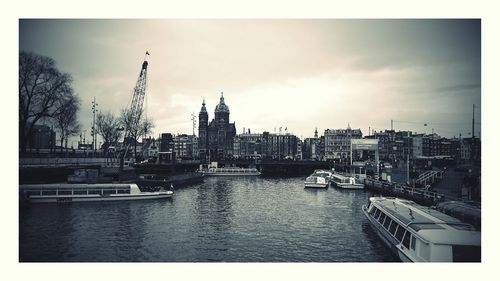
220 220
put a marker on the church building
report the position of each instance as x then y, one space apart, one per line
215 138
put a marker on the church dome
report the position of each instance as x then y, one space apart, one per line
222 107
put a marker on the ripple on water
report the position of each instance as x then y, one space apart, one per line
220 220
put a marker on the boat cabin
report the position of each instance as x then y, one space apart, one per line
419 233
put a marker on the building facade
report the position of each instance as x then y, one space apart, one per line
166 142
215 138
338 143
247 145
186 146
311 148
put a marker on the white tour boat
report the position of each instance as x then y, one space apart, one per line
346 182
327 174
62 193
421 234
315 181
214 170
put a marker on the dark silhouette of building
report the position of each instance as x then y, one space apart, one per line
42 137
166 142
215 138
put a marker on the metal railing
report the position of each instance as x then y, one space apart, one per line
408 191
429 177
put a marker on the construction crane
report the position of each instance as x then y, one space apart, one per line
134 112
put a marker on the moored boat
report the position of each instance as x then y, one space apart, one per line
346 182
420 234
214 170
67 193
151 182
315 181
323 173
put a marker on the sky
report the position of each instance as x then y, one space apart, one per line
298 74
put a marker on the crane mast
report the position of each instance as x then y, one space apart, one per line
136 105
134 113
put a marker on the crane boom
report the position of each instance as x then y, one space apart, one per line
136 105
134 113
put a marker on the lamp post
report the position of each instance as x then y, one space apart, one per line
94 110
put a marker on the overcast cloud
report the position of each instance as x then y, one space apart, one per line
299 74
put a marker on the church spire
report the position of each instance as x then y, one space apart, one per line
203 108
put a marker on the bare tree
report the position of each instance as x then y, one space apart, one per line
135 127
147 127
132 128
66 119
109 128
41 89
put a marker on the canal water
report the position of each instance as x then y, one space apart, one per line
220 220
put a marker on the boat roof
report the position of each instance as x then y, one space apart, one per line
75 185
430 224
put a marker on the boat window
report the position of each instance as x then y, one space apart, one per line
48 192
64 192
413 241
376 214
94 191
406 240
109 191
387 222
464 253
80 192
392 228
123 191
33 192
381 218
399 233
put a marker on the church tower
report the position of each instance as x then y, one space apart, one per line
203 132
222 112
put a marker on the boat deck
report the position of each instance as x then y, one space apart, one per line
428 222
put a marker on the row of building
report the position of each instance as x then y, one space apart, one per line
217 139
333 145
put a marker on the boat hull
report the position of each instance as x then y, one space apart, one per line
386 239
315 185
349 186
99 198
231 174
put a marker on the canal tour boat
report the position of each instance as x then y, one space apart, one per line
214 170
66 193
420 234
315 181
327 174
346 182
